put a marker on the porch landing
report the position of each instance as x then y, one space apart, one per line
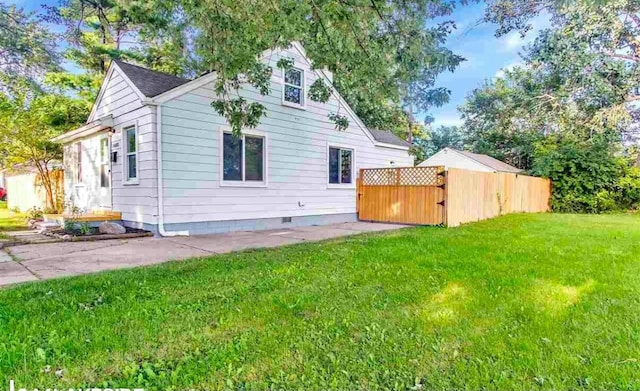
95 216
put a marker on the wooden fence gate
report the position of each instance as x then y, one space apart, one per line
407 195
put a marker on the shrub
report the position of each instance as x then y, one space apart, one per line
628 189
34 213
584 173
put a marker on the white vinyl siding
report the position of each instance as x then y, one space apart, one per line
137 203
297 158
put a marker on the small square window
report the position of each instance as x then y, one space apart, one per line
340 165
293 88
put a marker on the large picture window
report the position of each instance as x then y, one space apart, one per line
243 159
340 165
130 135
293 87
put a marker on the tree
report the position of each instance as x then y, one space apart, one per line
99 31
504 119
441 137
569 111
27 48
27 125
383 54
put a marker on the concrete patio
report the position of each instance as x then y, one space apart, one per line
34 262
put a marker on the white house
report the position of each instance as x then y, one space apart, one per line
155 150
453 158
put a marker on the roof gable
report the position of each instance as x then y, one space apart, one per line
149 82
488 161
381 138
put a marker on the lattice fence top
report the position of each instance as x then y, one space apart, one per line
403 176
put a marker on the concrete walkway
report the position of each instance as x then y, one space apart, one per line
50 260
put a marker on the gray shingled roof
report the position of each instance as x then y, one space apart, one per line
149 82
490 162
385 136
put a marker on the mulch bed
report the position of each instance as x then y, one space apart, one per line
77 236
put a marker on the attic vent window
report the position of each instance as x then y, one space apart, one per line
293 87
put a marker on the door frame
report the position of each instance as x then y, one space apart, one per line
103 192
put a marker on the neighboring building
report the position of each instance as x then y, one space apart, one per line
155 150
453 158
24 186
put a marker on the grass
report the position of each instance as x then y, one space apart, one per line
516 303
10 221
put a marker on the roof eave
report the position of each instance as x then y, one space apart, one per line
394 146
86 130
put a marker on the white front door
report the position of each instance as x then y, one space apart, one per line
104 173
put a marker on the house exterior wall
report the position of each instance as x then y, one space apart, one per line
297 142
452 159
137 201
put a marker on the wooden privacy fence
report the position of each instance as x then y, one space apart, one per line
431 196
474 195
410 195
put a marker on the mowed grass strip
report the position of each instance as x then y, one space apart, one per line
519 302
10 221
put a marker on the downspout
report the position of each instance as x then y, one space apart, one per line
161 230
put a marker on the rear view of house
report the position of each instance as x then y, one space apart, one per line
154 150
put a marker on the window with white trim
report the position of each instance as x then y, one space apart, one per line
293 86
104 162
243 158
78 153
130 135
340 165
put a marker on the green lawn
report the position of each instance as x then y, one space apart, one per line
10 221
518 302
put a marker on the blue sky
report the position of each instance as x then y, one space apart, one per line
485 54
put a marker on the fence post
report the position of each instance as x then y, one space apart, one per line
445 218
358 192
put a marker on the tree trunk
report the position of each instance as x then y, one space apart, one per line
45 178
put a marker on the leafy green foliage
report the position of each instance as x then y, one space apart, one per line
285 63
439 138
582 172
28 123
568 112
410 309
319 91
382 54
27 48
99 31
239 113
341 121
